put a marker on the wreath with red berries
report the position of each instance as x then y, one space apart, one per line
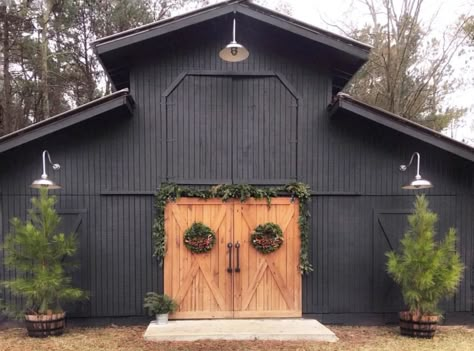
199 238
267 238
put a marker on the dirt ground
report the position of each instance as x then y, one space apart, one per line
131 339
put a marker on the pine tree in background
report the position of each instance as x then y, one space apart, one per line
37 252
427 271
410 70
47 65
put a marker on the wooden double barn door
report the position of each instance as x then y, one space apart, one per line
233 280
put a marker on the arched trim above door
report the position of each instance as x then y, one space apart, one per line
216 73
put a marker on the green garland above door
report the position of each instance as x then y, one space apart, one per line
172 192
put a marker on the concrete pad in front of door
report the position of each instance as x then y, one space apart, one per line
240 329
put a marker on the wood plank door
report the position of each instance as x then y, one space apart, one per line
268 285
263 286
199 283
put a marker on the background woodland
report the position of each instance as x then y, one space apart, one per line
48 66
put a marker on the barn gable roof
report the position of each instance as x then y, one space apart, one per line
114 50
121 102
347 104
118 102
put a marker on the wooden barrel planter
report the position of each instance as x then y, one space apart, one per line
418 326
41 326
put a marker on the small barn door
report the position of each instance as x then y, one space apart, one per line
268 285
72 222
238 282
389 226
199 283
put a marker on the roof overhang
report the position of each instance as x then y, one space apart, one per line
118 103
346 104
121 44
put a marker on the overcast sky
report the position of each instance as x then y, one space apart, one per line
318 12
326 14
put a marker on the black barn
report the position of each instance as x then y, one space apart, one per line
180 114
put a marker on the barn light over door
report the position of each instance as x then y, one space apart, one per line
418 182
234 52
44 182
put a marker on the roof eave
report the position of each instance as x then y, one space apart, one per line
112 102
402 125
162 21
118 41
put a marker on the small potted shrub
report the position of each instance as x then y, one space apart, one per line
427 271
38 252
160 306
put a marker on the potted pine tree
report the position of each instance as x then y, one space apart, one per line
160 306
38 252
426 270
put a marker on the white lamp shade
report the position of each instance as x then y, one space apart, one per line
45 183
418 184
234 52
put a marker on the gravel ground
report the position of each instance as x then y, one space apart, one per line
131 339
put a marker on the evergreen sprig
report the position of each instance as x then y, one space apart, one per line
427 271
171 192
159 304
37 251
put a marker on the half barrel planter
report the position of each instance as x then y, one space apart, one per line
418 326
44 325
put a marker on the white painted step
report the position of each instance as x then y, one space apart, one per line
240 329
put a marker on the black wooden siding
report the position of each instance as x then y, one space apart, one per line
235 122
230 129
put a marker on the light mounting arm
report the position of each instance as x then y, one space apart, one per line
418 182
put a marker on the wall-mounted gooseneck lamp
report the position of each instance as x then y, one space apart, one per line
234 52
44 182
418 182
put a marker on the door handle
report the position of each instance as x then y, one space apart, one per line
237 246
229 246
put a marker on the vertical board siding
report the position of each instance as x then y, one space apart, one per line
115 252
347 242
244 129
231 128
199 127
264 132
465 226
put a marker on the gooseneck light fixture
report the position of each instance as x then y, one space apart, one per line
418 182
44 182
234 52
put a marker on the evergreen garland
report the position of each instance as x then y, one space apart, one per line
199 238
267 238
172 192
